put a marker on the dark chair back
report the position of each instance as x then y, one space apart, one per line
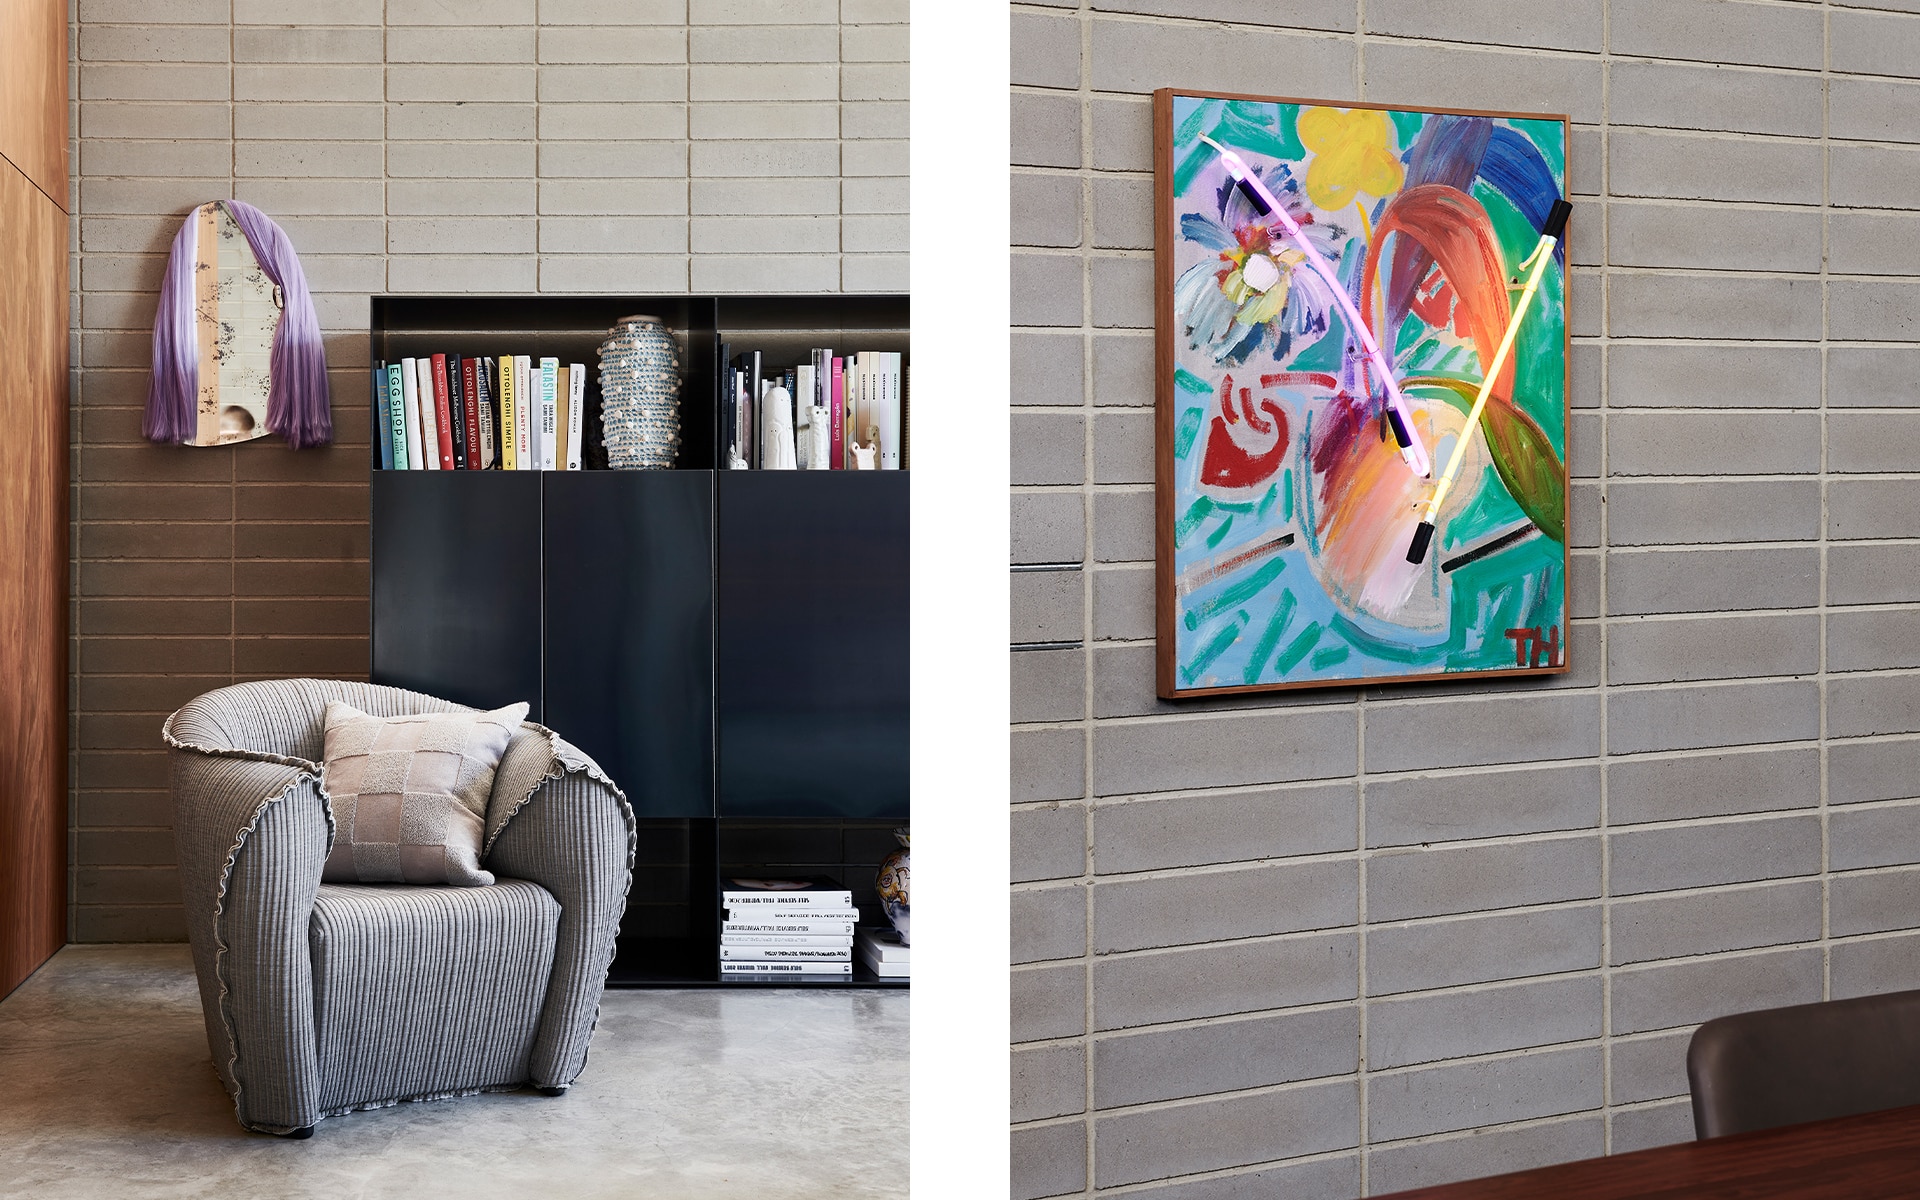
1785 1066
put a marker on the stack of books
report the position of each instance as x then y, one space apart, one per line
786 928
442 412
839 412
885 954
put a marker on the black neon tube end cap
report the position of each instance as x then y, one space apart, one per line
1556 226
1400 432
1254 197
1422 538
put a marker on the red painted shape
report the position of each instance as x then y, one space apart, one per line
1227 462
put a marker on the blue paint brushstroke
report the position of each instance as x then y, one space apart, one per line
1515 169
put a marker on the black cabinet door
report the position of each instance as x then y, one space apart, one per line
811 648
456 585
629 578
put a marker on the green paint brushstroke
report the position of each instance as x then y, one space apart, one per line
1237 131
1266 502
1198 512
1286 484
1199 118
1188 428
1296 650
1190 166
1406 124
1219 534
1270 637
1238 594
1322 659
1212 650
1380 647
1187 381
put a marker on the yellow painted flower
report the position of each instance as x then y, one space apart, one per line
1352 153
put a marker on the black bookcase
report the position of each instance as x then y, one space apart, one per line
731 646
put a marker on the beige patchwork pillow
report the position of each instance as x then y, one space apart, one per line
410 793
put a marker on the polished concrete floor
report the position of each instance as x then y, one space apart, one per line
106 1091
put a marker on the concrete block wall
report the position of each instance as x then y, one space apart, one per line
1337 943
405 146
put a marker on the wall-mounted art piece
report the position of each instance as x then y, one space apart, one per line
236 340
1362 393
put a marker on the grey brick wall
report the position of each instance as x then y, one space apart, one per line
405 146
1342 943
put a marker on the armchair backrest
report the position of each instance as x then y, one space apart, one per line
287 717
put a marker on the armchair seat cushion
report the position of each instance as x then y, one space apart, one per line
422 992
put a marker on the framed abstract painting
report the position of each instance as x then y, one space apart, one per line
1361 428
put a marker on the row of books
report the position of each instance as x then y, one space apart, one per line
793 927
445 412
833 412
775 928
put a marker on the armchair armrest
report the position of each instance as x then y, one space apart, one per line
252 831
556 819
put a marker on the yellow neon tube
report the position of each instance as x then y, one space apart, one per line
1542 255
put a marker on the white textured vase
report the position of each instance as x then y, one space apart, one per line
640 394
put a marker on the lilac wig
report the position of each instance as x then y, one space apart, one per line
297 395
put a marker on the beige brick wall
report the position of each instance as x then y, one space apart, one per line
405 146
1321 943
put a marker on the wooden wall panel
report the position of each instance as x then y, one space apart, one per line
33 577
33 92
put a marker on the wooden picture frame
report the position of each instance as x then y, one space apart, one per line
1313 587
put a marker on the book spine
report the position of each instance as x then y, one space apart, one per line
429 414
563 392
469 389
549 411
890 412
410 385
509 401
755 390
523 412
397 414
723 407
763 924
839 406
869 433
883 968
802 414
756 916
787 953
489 407
736 967
442 412
576 420
788 902
457 406
826 941
382 420
883 951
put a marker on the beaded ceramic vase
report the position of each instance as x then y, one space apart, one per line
895 870
640 394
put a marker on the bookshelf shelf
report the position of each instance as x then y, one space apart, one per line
730 645
570 328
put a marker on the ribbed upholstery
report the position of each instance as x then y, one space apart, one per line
252 829
422 991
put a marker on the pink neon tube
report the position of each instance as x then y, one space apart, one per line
1402 419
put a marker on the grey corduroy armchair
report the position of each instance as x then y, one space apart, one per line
321 999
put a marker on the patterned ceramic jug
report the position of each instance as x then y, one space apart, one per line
892 885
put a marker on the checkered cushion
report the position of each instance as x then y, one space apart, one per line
410 793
